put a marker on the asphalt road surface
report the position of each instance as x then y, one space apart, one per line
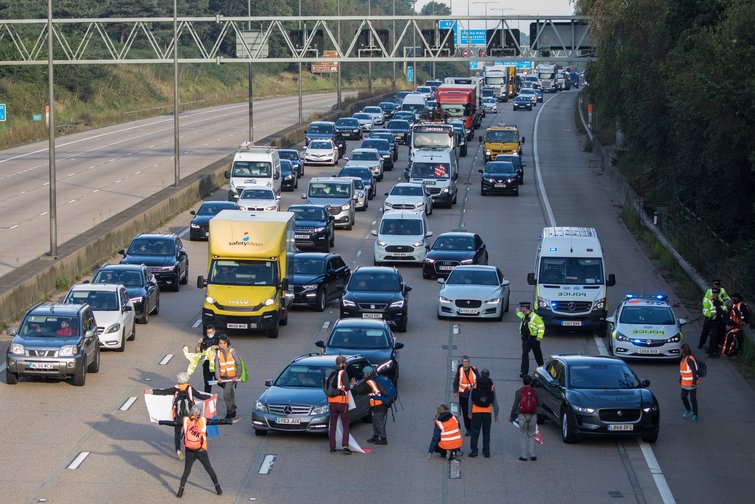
48 423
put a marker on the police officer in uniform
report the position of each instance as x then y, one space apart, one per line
531 330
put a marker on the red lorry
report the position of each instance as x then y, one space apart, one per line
459 101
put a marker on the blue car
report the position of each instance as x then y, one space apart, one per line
295 158
401 130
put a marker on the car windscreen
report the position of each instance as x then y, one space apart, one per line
472 277
329 190
376 144
320 145
358 183
430 170
602 376
385 135
127 278
649 315
397 124
454 243
257 194
363 116
372 110
300 375
320 129
251 169
51 326
226 272
571 270
288 154
401 227
500 168
453 109
97 300
155 247
373 281
407 190
362 173
347 123
308 266
310 214
515 160
501 136
286 167
358 338
214 208
365 156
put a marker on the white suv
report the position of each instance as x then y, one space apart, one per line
409 196
402 237
112 309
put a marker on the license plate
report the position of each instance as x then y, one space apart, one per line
429 182
301 237
41 365
372 315
237 326
468 311
445 268
621 427
400 254
500 185
648 351
571 323
288 421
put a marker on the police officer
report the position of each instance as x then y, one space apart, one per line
722 294
209 340
714 313
531 330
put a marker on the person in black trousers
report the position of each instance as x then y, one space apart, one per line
210 339
464 380
194 428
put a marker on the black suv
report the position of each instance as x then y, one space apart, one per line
313 227
377 292
140 284
387 135
54 340
163 254
349 127
317 277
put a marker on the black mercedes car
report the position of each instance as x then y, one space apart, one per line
349 128
317 277
383 147
499 177
289 176
140 284
370 338
595 396
163 254
295 158
452 249
199 228
313 227
377 292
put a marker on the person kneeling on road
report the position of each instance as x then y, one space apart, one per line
447 438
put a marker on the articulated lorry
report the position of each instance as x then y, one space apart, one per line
250 265
460 101
499 79
548 75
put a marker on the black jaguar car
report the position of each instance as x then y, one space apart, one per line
317 277
595 396
349 128
452 249
377 292
289 176
313 227
199 229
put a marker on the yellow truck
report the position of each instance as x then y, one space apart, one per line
502 139
250 266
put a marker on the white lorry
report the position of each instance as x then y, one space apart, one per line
496 77
548 75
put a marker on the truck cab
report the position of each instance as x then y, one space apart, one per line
253 165
502 139
438 169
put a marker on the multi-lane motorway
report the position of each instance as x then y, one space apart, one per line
48 424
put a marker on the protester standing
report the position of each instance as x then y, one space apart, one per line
464 379
689 379
524 411
531 330
228 370
338 404
378 409
482 406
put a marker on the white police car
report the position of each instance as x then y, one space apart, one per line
645 327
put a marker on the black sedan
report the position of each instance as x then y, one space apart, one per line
595 396
377 292
317 277
452 249
522 103
313 227
499 177
388 135
140 284
289 176
370 338
349 128
199 229
163 254
295 401
295 158
383 147
401 130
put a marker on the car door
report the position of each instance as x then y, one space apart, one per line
150 289
554 382
504 288
481 254
337 275
128 315
182 257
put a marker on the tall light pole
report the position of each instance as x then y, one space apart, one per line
486 23
338 39
369 63
250 79
51 134
303 43
176 145
393 44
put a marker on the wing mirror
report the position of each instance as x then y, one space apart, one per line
407 288
441 280
303 196
227 174
193 212
523 139
374 232
201 282
682 322
268 383
645 383
530 278
611 280
320 344
398 345
122 252
480 138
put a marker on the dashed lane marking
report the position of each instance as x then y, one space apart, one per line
166 359
267 464
78 460
129 402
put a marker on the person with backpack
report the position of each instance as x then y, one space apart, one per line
524 412
209 341
228 371
482 405
733 339
382 394
184 397
194 430
739 312
447 438
337 387
464 379
531 330
689 377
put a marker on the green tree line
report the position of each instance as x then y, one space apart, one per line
677 78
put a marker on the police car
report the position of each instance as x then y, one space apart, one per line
645 327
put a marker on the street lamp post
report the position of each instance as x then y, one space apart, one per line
176 143
251 102
51 134
369 63
338 39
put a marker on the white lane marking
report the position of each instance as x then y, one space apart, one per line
197 323
166 359
14 226
43 214
78 460
22 192
90 167
71 174
374 222
129 402
96 190
647 452
267 464
326 324
183 232
137 173
359 252
111 160
454 365
119 181
455 329
71 201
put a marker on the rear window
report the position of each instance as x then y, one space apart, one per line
97 300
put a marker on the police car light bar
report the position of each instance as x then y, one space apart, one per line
659 297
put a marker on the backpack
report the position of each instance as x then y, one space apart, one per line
528 402
702 368
193 436
482 394
388 392
183 401
330 384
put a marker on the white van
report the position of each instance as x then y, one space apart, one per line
253 165
570 279
415 103
402 237
438 169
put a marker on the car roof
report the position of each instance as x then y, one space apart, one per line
55 308
374 139
365 149
322 123
317 359
308 205
645 301
153 236
376 269
314 255
257 186
96 287
475 267
358 322
403 214
137 267
587 359
457 234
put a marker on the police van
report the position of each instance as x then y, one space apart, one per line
438 169
253 165
570 279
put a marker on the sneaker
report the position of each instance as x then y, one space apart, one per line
346 450
473 454
332 450
693 418
180 454
372 439
381 441
486 455
686 414
467 434
533 458
523 459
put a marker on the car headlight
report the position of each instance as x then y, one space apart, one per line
320 410
385 366
417 244
493 301
346 302
620 337
347 206
271 208
444 299
600 304
397 304
580 409
68 351
429 260
209 300
381 243
137 300
388 204
288 177
195 226
319 229
543 303
492 181
309 287
648 409
467 261
260 406
17 348
445 190
675 339
167 268
487 152
113 328
269 302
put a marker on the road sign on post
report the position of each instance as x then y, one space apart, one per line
2 112
410 73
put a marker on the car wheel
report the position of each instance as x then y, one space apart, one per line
284 320
185 279
122 346
567 429
80 377
430 212
366 204
483 192
156 309
650 439
296 184
320 300
376 263
463 151
177 284
453 200
273 333
132 336
500 315
332 238
10 378
260 432
402 327
516 193
145 317
507 299
94 367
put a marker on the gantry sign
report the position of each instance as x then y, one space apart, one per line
303 39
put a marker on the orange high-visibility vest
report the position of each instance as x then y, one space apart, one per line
483 409
343 398
686 371
466 383
195 433
450 435
375 391
227 366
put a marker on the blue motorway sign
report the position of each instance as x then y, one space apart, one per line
410 73
474 65
36 117
524 65
471 37
2 112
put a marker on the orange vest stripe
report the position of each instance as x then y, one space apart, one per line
686 372
375 391
227 367
450 434
464 381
